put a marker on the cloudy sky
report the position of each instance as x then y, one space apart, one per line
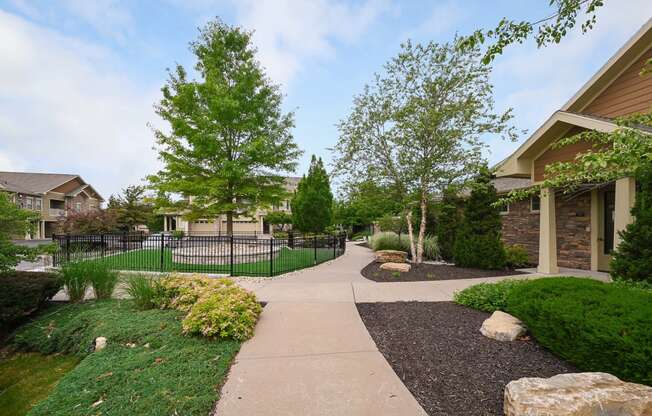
78 78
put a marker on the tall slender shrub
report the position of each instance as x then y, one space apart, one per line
450 217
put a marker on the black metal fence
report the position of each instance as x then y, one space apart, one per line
233 255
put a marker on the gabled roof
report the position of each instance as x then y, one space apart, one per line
36 183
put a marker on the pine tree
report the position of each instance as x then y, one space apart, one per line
633 257
312 205
450 217
478 242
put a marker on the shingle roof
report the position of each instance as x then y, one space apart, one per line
29 182
504 185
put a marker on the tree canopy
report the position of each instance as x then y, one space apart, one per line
15 222
420 125
312 205
228 138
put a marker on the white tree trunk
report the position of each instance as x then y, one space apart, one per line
408 217
422 228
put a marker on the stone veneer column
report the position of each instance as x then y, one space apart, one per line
547 233
625 195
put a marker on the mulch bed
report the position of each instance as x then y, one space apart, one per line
427 272
451 369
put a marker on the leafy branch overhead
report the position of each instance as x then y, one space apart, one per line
228 138
547 30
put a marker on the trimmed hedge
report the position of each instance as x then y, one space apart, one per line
596 326
22 293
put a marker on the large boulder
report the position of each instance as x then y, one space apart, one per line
395 267
577 394
502 327
391 256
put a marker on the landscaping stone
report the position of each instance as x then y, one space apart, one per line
577 394
502 326
391 256
100 343
395 267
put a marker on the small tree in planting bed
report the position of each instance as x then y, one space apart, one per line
228 136
450 209
312 205
419 125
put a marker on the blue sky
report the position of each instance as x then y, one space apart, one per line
78 78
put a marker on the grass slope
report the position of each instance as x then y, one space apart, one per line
174 374
27 378
150 260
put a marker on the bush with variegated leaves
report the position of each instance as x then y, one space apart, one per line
179 292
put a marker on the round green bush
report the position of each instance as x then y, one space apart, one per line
516 257
595 326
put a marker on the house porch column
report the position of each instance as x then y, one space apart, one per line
547 233
595 228
625 195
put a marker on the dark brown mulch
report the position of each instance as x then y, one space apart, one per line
427 271
451 369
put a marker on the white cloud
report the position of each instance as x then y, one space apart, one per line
62 110
443 18
288 33
537 82
108 17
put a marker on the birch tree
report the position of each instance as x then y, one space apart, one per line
419 126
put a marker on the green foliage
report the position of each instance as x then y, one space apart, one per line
28 378
227 131
228 312
148 367
144 291
449 218
431 250
632 259
14 222
179 292
389 241
478 242
516 257
103 280
131 209
392 223
312 205
595 326
361 235
75 276
551 29
487 297
22 293
280 218
364 202
422 124
98 221
178 234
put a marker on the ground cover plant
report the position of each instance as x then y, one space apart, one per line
596 326
147 368
22 293
27 378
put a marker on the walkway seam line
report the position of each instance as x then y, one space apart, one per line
317 354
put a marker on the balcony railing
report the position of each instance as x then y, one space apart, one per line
54 212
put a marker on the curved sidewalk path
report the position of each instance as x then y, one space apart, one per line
311 353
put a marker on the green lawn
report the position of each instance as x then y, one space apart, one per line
150 260
28 378
148 367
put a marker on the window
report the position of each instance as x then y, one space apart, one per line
504 209
535 203
78 206
38 204
29 202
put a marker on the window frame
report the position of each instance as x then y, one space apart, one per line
532 198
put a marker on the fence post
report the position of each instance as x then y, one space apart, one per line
67 247
314 239
334 245
124 241
102 243
271 256
162 251
291 239
231 256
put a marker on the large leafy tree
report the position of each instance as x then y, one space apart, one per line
15 222
132 208
362 203
419 126
312 205
228 138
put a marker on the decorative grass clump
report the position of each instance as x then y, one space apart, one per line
149 367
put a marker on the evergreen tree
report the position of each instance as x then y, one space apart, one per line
312 206
633 257
450 210
478 242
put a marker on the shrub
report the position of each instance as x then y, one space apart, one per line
228 312
487 297
22 293
144 290
178 292
516 257
478 243
103 279
449 218
178 234
75 276
632 260
362 235
389 241
595 326
431 248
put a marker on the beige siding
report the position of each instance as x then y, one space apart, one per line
629 93
69 186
